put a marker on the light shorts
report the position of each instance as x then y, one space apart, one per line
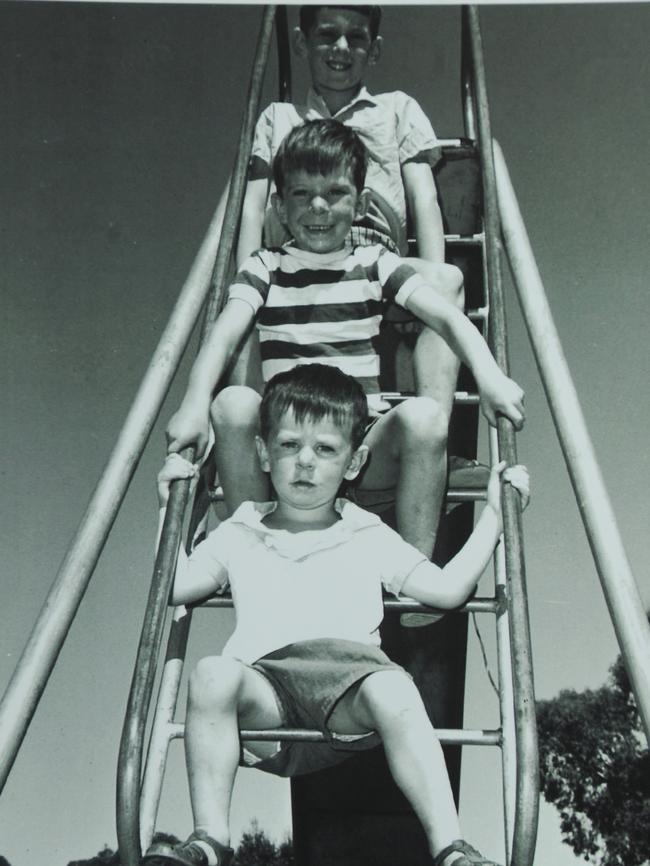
309 678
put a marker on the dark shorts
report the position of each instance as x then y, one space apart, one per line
309 678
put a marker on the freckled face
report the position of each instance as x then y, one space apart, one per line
308 461
319 209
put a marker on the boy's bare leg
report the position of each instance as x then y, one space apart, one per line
408 451
224 695
235 416
388 702
435 366
247 367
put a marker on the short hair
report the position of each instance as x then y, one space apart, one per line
320 147
313 392
307 16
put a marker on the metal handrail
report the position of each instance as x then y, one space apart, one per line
618 583
131 745
527 770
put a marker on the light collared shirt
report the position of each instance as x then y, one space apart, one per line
289 587
391 125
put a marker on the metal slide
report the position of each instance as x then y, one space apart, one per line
347 831
478 206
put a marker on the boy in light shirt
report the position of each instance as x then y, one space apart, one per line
306 573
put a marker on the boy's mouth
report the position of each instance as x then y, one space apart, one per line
302 483
338 65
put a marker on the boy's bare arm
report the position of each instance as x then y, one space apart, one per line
190 584
252 219
189 425
448 587
423 207
498 393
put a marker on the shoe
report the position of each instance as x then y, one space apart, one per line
467 474
470 856
417 620
187 853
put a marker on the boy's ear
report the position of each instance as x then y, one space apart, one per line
277 203
299 42
363 202
374 52
356 463
262 454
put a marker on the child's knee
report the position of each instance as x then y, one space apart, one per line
453 286
215 682
423 424
447 280
388 695
236 407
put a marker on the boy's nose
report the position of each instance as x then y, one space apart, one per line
306 456
342 42
318 204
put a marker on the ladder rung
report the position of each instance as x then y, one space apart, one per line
475 605
461 398
480 314
456 494
447 736
465 240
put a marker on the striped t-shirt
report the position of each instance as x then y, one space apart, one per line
323 307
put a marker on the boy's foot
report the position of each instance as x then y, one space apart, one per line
467 474
193 852
467 856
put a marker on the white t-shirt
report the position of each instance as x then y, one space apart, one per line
289 587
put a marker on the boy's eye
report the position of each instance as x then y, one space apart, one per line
358 39
326 36
329 36
288 445
325 449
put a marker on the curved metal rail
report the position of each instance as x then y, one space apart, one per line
527 772
131 746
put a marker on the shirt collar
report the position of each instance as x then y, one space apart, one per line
318 259
316 102
297 545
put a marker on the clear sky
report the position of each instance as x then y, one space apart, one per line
118 132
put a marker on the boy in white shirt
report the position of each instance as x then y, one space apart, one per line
306 574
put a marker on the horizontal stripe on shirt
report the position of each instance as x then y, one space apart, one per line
300 315
272 349
323 332
363 369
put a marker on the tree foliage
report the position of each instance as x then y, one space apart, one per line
255 849
595 769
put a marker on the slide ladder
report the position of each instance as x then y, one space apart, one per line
346 832
476 248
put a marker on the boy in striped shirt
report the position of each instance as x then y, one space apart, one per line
317 299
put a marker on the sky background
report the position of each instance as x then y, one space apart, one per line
118 132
